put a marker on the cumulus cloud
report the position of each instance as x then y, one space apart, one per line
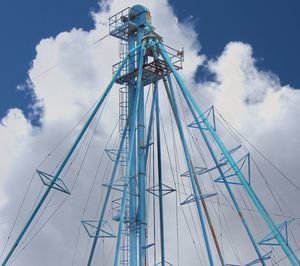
254 101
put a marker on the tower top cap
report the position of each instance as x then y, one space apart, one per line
137 10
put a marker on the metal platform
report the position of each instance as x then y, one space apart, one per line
153 70
119 24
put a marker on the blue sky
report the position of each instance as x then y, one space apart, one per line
271 27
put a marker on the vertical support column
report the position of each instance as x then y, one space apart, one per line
267 218
160 192
141 165
173 103
131 51
149 133
132 181
129 158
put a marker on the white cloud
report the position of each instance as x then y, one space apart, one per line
253 100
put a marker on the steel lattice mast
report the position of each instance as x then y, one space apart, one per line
149 61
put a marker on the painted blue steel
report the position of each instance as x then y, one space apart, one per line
149 133
283 226
172 99
287 250
227 176
115 166
58 185
207 113
267 256
132 124
231 151
107 195
65 161
227 184
192 198
218 165
141 160
160 185
132 181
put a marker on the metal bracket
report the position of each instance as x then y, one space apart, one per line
223 158
91 228
113 153
118 185
58 184
165 189
203 170
265 257
272 236
200 120
240 163
193 198
148 246
116 209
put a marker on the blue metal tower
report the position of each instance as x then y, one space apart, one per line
145 60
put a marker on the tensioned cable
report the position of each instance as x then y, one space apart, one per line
268 160
90 191
206 210
285 257
175 186
25 245
257 150
191 135
58 64
108 167
231 241
32 177
82 143
172 171
269 185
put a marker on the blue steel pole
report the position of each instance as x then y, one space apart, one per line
60 169
277 234
210 224
105 203
151 120
235 203
173 103
155 92
132 181
159 168
141 165
132 124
